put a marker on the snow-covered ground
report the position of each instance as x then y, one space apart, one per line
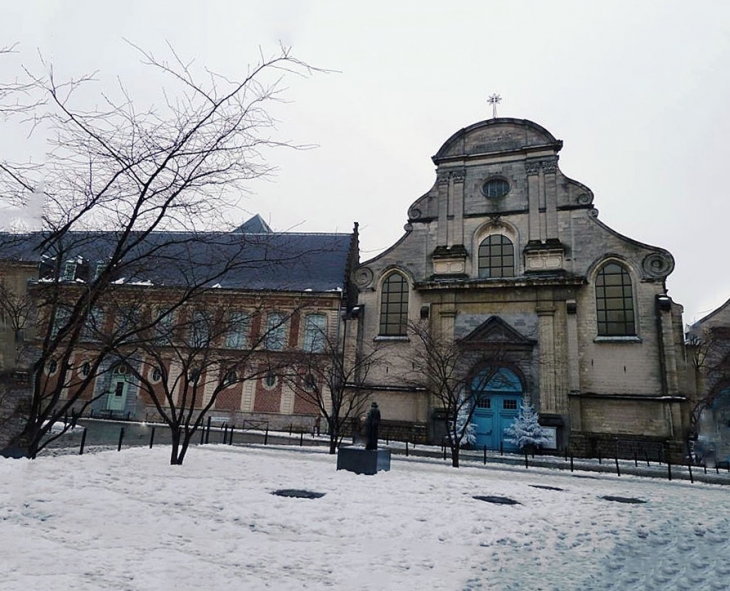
129 521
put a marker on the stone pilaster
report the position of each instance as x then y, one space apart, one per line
550 168
443 209
533 188
546 338
456 235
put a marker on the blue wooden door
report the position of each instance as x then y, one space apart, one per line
497 403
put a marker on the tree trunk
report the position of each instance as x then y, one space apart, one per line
333 442
455 456
175 436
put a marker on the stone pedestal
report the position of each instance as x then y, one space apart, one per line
363 461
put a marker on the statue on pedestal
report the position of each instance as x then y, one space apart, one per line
372 425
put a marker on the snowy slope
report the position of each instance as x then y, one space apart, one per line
128 521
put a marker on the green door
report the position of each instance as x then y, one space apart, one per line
117 398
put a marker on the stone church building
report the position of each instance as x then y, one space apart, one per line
506 251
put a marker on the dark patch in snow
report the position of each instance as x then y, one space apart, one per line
297 493
497 500
629 500
543 487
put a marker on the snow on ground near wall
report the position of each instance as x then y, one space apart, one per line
128 521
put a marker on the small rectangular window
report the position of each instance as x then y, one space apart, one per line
69 271
509 405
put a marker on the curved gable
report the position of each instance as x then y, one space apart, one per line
497 136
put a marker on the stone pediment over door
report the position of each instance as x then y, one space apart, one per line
496 333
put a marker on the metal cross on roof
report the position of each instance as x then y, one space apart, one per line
494 100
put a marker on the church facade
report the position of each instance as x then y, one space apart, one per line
504 252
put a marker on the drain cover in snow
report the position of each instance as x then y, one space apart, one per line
543 487
497 500
630 500
298 493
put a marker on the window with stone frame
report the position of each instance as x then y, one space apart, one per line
394 305
61 318
200 329
275 336
93 327
496 257
164 326
315 326
615 301
239 324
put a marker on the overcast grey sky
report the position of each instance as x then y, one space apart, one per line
638 91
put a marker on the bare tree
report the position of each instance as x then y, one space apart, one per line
128 194
331 379
189 356
443 367
709 353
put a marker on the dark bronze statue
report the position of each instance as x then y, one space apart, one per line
372 426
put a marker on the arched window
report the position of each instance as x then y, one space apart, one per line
614 302
496 257
394 305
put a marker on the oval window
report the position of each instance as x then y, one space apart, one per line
495 188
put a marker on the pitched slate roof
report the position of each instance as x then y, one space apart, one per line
232 260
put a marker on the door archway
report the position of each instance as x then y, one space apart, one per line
497 400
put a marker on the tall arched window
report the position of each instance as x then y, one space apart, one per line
394 305
496 257
615 302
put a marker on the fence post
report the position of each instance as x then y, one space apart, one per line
501 447
526 464
571 462
202 435
406 448
290 429
669 470
230 435
207 431
225 433
121 438
689 465
152 436
83 441
599 457
646 456
485 453
443 447
618 470
266 435
301 438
